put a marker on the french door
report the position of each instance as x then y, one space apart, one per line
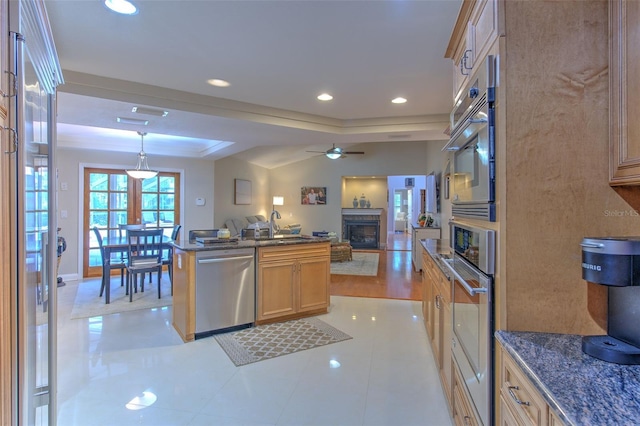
112 198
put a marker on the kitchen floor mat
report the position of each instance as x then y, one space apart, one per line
272 340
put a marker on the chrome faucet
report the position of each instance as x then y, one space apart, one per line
272 222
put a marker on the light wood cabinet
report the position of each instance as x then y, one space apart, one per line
624 159
292 281
436 308
417 234
520 402
472 40
184 294
428 305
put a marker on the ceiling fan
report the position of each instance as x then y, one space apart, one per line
336 152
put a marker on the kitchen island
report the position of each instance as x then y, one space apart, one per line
577 388
291 276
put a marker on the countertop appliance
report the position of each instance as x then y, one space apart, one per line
225 291
615 262
471 272
473 141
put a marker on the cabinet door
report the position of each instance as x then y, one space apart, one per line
507 418
463 63
276 289
427 295
446 370
313 276
436 340
624 167
483 27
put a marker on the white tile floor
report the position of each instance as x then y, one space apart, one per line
109 367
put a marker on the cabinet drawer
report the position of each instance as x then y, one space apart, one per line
520 395
463 414
290 251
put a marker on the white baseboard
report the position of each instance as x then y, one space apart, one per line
70 277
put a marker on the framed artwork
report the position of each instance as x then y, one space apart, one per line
313 195
242 191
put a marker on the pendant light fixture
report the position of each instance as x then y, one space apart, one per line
142 170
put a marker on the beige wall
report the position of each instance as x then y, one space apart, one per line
227 170
374 189
197 181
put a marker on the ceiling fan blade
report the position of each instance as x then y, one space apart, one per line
318 152
353 152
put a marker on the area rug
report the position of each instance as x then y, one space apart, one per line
363 263
88 303
272 340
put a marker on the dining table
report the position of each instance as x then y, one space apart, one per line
120 244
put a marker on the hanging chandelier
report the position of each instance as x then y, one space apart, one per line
142 170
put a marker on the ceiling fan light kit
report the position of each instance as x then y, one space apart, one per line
336 152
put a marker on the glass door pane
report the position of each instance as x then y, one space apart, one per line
158 202
107 192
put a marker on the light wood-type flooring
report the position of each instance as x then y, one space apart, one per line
396 278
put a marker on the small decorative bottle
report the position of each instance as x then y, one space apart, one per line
368 204
355 202
363 201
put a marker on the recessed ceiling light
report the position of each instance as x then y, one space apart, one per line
399 100
150 111
122 7
325 97
218 82
137 121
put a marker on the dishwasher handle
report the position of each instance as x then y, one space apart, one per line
223 259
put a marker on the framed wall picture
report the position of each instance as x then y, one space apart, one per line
313 195
242 191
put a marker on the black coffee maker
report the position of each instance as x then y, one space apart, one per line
615 262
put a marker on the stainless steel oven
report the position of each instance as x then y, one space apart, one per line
473 140
472 268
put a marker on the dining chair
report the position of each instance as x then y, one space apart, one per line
122 232
144 255
168 259
115 262
124 227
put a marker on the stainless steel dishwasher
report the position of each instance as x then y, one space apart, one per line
225 290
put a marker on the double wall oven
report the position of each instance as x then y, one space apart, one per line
473 142
471 270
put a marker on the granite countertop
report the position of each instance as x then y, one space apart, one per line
438 250
581 389
240 243
436 247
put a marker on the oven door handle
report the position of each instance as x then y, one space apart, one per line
472 291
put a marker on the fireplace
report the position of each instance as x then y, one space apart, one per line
362 233
361 227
